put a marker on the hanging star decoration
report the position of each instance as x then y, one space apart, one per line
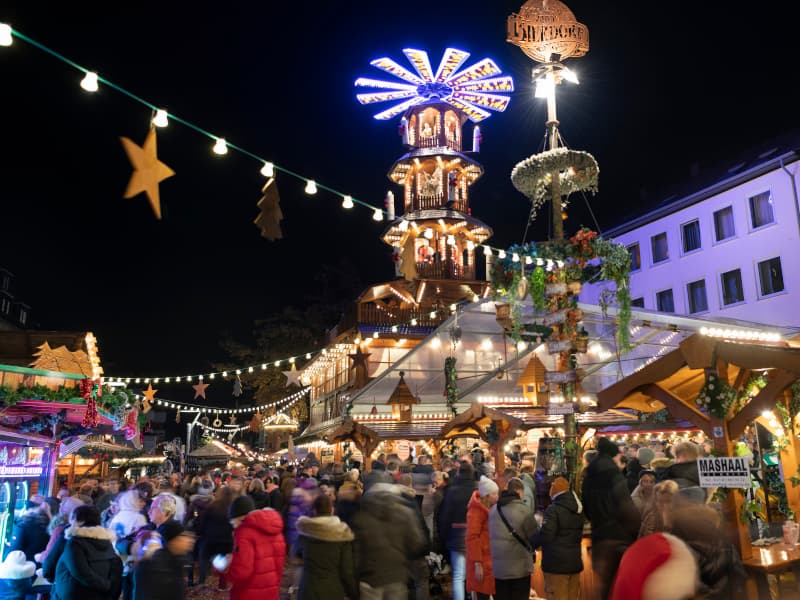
269 220
293 376
200 390
361 375
149 395
148 171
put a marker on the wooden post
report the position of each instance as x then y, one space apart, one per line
790 458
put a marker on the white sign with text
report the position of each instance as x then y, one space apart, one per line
724 471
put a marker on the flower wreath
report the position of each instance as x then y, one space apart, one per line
577 170
716 396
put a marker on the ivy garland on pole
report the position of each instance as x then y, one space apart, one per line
451 384
583 258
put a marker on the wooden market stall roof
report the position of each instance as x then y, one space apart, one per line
349 430
674 381
18 346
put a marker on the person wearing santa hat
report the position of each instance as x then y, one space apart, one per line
608 506
658 566
560 540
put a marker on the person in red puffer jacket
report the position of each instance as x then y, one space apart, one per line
259 551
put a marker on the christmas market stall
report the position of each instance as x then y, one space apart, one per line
731 382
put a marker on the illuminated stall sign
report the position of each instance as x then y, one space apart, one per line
20 461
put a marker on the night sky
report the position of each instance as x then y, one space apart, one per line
665 85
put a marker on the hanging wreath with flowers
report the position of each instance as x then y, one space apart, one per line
577 172
716 396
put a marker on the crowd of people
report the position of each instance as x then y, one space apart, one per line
402 530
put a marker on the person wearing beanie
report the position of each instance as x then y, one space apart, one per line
560 539
512 532
16 576
480 576
607 504
160 575
326 546
259 551
659 566
636 464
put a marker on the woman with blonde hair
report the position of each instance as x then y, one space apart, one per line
257 492
657 514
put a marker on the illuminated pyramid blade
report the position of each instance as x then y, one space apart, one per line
419 59
451 60
470 90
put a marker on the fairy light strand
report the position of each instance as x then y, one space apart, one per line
184 407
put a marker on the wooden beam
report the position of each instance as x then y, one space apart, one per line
677 407
779 380
655 371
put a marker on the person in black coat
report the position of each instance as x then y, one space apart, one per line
452 524
560 539
608 506
89 568
684 470
30 531
159 575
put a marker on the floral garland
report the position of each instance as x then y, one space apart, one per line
577 171
583 258
716 396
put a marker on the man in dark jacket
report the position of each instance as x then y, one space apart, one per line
560 539
684 470
608 506
387 534
30 531
161 575
453 524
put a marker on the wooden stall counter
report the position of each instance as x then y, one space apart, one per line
775 559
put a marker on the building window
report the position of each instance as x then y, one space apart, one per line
660 249
23 316
636 257
638 302
723 224
665 302
5 305
732 291
698 302
770 275
6 281
690 234
761 210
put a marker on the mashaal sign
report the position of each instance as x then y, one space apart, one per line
724 471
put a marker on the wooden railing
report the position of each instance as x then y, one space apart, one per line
438 201
444 269
371 314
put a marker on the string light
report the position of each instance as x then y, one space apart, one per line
283 403
89 82
311 187
161 119
220 146
5 35
347 202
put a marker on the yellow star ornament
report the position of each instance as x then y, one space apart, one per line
148 171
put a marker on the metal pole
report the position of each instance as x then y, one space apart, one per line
555 184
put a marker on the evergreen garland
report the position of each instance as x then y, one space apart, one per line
110 401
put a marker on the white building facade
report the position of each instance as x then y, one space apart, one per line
728 250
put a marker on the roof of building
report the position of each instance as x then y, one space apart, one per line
714 179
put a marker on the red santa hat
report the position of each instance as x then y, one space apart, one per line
659 566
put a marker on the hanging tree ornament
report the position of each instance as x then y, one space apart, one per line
200 390
148 171
89 392
178 415
217 422
149 398
269 220
232 419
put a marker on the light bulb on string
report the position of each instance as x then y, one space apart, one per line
377 215
89 82
5 35
347 202
501 254
311 187
220 146
429 234
161 118
268 170
487 251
